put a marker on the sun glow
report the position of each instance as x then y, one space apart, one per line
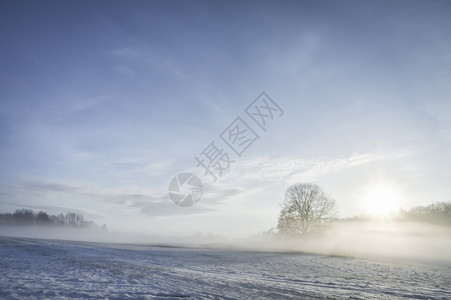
381 201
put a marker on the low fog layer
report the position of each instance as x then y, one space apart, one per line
405 240
399 240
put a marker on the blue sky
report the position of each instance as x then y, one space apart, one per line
103 102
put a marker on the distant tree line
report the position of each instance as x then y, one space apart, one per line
27 217
438 212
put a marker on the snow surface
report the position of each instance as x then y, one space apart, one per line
36 269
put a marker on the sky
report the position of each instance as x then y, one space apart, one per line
104 102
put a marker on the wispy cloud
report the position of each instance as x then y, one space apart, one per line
148 201
134 57
143 166
248 180
269 169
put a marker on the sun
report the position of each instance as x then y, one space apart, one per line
381 201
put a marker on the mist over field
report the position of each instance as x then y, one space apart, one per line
380 240
383 240
376 239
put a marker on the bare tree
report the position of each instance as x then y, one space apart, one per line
305 209
42 218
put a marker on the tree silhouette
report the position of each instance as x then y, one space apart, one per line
24 217
42 218
305 209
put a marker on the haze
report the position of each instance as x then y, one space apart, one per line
103 103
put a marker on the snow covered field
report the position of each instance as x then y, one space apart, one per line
57 269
